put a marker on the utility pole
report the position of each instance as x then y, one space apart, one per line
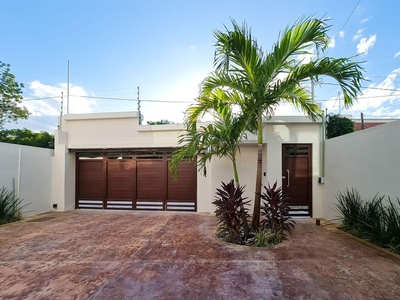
68 90
362 121
61 114
138 104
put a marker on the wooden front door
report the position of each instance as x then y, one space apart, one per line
297 177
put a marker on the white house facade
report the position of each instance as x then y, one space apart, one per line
109 161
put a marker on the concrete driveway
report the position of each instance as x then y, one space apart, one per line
149 255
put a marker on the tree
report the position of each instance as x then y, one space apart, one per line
27 137
257 81
161 122
338 125
219 139
10 97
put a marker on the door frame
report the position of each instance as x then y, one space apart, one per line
310 172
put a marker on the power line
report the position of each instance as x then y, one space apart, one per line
345 23
364 87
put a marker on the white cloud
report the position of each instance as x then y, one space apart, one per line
306 57
366 20
365 44
52 106
374 97
358 35
332 42
397 54
192 47
341 34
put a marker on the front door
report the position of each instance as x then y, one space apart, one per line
296 177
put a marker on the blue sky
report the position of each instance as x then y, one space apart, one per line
166 48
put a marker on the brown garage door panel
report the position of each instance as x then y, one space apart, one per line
91 179
134 181
150 180
120 180
184 188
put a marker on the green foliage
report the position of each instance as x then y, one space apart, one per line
370 219
251 80
27 137
219 139
276 211
10 97
10 206
231 213
264 237
161 122
338 126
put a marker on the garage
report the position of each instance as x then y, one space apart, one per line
134 179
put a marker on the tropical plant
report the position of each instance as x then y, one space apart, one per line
338 126
10 206
263 237
275 211
218 139
256 82
231 212
370 219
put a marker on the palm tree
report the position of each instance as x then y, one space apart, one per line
218 139
259 81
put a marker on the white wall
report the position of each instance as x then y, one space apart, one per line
63 170
122 130
28 170
275 134
366 160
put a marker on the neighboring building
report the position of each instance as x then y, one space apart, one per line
368 123
108 160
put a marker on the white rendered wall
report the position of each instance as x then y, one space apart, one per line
28 170
121 130
366 160
63 170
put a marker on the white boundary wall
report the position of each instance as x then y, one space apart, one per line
27 170
366 160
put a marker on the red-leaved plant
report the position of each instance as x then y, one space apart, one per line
231 212
276 211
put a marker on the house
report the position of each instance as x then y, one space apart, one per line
109 161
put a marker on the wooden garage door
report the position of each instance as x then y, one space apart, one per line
134 181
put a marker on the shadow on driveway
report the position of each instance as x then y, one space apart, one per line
163 255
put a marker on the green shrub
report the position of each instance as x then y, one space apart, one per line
10 206
370 219
263 237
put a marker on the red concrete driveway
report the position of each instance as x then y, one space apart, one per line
148 255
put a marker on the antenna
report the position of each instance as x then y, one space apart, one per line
138 104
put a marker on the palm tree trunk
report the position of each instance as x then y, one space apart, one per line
236 175
257 196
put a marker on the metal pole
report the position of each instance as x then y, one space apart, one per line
61 114
138 99
362 121
68 90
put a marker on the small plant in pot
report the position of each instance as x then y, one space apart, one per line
231 212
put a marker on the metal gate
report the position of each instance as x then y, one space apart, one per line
134 180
